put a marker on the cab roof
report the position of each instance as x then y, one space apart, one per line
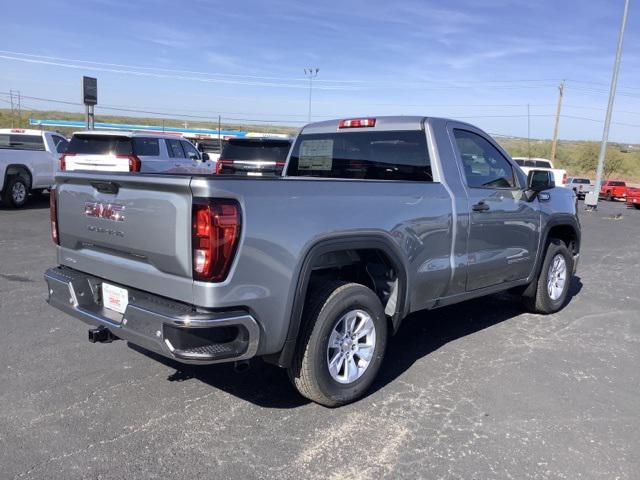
396 122
21 131
126 133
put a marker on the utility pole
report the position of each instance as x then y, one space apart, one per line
310 73
219 133
16 108
591 200
528 132
554 143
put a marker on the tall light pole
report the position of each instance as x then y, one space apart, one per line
310 73
590 200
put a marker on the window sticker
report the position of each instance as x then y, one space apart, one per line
316 155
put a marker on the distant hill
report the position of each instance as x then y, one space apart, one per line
5 121
577 157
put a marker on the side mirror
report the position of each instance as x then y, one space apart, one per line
205 156
540 180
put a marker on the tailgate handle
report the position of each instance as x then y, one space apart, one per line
106 187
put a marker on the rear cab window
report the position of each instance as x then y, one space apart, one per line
143 146
14 141
371 155
267 151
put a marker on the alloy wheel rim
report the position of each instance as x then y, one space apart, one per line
18 192
351 346
557 277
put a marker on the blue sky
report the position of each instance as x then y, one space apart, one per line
482 61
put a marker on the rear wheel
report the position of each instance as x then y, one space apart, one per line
548 293
342 345
16 192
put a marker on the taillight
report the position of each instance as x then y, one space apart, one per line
220 165
53 215
216 231
564 179
134 162
357 123
63 160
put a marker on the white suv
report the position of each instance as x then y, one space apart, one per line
28 163
119 151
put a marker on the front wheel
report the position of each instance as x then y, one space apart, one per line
342 344
549 292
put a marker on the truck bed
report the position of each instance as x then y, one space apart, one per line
150 247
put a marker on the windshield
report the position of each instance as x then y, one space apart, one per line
581 180
100 145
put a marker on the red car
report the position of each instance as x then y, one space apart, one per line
633 197
613 189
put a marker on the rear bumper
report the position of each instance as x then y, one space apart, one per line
172 329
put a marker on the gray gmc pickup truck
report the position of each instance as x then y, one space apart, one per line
372 219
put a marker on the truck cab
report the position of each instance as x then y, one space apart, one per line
28 163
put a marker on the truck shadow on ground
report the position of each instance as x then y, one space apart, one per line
421 333
35 202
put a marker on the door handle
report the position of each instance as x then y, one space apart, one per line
480 207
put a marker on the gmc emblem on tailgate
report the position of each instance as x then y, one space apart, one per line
109 211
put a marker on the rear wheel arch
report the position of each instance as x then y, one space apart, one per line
19 170
343 246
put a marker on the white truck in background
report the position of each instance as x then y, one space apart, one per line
28 163
527 164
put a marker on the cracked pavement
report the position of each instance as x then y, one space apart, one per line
478 390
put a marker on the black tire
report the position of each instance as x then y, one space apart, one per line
16 192
609 197
536 298
309 371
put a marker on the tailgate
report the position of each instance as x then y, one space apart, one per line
133 230
98 163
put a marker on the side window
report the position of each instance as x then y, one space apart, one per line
146 147
60 143
190 150
174 148
484 166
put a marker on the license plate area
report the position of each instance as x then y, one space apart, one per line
114 298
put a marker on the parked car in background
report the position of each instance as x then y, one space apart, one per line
633 197
28 163
581 186
109 151
253 156
528 164
374 218
613 189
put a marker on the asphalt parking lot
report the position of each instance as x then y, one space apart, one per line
475 391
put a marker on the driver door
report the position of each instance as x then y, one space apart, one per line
504 226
